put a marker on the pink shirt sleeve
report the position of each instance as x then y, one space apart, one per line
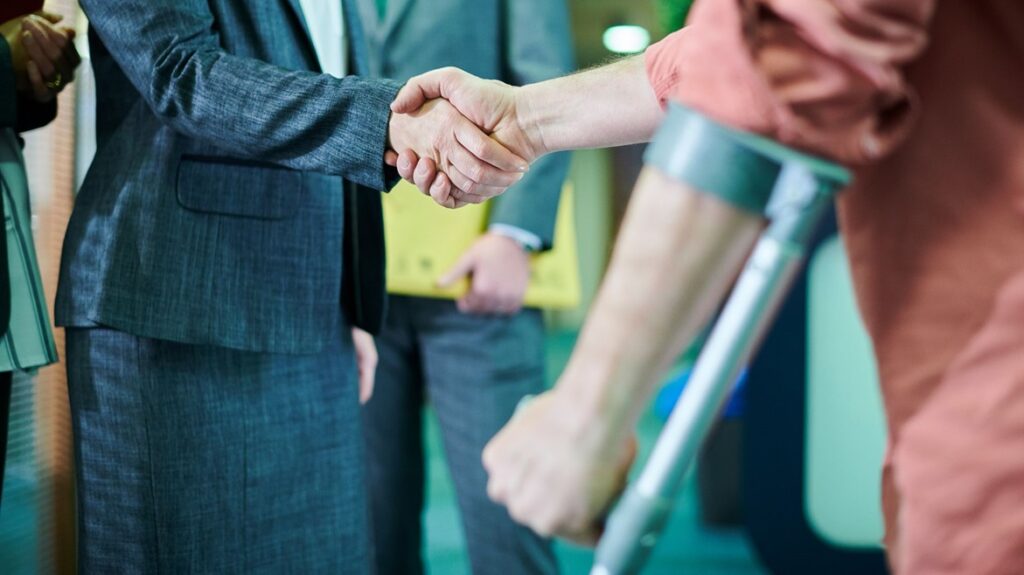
825 76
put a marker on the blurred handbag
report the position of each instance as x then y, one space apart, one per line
27 343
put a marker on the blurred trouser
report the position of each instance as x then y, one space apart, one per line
200 459
955 479
6 379
474 369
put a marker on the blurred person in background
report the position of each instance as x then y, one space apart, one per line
473 359
37 61
923 99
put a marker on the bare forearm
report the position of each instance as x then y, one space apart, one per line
677 254
612 105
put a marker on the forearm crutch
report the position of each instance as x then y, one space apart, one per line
793 191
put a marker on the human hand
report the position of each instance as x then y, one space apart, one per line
558 468
499 270
45 57
366 360
477 166
493 106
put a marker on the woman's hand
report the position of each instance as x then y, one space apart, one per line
51 56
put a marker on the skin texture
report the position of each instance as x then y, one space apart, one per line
499 272
563 458
366 361
477 166
41 53
534 120
558 464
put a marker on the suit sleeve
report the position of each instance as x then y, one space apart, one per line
824 76
170 51
538 46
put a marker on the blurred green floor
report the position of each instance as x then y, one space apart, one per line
687 547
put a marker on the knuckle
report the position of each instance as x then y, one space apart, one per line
475 172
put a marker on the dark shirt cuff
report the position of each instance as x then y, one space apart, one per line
8 87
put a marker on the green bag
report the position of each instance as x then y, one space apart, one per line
27 343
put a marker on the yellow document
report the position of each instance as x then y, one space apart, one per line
425 240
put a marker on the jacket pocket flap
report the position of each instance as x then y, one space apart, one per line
238 188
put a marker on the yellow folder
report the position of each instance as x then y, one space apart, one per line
425 240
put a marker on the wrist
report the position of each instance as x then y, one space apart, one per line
531 119
602 386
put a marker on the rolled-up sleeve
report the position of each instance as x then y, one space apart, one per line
825 76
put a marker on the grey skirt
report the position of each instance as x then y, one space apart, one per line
199 459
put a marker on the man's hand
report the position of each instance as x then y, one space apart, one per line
477 166
366 360
557 468
499 269
44 57
493 106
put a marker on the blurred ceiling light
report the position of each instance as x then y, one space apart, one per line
625 39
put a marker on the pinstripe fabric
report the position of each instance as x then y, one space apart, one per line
28 343
474 370
198 459
213 211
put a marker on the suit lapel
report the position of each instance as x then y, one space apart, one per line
300 16
395 13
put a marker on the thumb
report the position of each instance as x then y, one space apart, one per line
50 17
460 270
422 88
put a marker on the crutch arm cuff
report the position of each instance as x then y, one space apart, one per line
737 167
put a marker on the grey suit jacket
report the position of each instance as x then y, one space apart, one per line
516 41
213 211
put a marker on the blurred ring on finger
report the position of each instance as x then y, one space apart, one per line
56 83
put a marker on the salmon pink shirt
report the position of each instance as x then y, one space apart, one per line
925 100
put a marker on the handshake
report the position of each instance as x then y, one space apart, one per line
460 139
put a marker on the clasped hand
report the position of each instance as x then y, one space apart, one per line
44 56
460 139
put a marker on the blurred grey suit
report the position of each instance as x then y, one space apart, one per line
474 369
210 365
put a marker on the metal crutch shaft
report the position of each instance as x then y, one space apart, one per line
802 193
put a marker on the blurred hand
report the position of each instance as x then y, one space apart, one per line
557 469
491 105
476 166
44 57
499 270
366 360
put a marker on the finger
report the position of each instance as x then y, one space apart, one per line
461 269
420 89
60 48
510 305
443 194
468 191
479 172
483 298
36 54
41 35
407 160
35 78
477 193
476 304
442 187
391 158
488 149
51 17
367 378
425 174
